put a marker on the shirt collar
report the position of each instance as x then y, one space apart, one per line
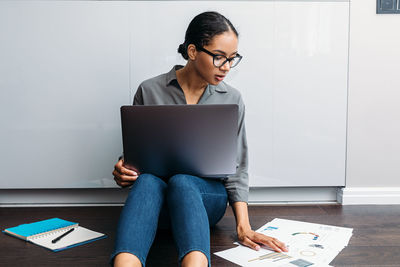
171 76
220 88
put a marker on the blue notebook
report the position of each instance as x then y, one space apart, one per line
42 233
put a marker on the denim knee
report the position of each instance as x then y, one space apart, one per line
150 180
146 185
183 181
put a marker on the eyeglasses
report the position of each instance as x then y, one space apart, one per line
220 60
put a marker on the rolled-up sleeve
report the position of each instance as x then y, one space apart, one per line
237 185
138 98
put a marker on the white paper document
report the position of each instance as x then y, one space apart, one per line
309 244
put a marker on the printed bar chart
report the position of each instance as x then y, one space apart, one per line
273 256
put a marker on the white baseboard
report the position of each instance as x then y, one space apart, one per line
292 195
369 196
258 196
117 196
62 197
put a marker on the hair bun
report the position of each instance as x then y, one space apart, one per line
182 51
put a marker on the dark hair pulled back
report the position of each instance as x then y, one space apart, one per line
203 28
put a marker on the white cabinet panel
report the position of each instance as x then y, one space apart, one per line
64 73
310 94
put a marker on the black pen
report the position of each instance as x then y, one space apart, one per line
61 236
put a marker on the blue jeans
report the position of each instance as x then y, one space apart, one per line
190 204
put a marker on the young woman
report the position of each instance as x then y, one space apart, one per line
189 202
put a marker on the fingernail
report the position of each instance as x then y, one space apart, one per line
257 247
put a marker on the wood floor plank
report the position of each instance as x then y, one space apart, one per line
375 242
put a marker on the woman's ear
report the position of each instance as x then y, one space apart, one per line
191 51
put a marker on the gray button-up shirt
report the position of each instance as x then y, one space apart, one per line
165 90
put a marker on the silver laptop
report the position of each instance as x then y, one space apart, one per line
164 140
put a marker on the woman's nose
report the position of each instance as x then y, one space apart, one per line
226 67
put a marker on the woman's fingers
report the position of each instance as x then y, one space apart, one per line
126 178
253 240
122 184
127 171
123 176
121 169
281 245
249 243
271 242
273 246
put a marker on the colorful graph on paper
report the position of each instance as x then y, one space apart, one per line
273 256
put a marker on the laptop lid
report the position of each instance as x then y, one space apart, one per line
165 140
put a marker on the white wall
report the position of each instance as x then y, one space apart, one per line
373 148
373 139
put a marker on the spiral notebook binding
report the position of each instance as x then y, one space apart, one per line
53 231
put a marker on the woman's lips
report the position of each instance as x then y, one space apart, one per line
219 77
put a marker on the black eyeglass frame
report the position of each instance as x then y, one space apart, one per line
218 55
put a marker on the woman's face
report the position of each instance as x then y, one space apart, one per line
223 44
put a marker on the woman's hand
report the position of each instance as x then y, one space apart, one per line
253 240
123 176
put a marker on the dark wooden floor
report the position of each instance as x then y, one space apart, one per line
375 241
